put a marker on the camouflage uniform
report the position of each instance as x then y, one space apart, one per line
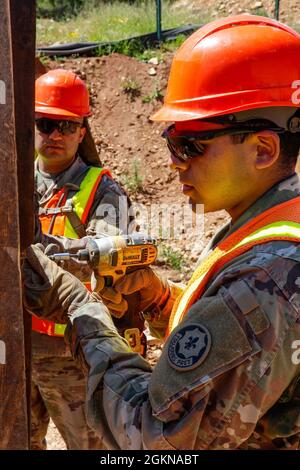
246 391
58 385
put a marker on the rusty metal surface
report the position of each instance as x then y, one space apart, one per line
24 65
23 47
13 408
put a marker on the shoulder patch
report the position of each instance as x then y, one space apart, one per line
189 347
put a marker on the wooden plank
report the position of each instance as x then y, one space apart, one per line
13 409
24 64
23 46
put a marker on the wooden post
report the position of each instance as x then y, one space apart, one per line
23 47
16 224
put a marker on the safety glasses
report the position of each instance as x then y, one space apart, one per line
47 126
185 145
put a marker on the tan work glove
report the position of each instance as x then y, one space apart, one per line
153 291
49 291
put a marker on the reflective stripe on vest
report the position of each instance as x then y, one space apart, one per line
81 203
281 222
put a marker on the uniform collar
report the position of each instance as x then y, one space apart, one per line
47 183
282 191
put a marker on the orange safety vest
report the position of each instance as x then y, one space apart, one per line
81 204
281 222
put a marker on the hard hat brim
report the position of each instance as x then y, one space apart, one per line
170 114
174 114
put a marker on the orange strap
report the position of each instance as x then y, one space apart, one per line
59 225
43 326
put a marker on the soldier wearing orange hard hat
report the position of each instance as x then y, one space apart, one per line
228 376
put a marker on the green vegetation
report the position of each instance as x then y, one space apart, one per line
106 21
261 12
132 179
172 257
135 48
59 9
155 95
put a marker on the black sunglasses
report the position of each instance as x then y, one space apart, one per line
189 144
47 126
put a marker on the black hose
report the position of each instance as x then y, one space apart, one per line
146 40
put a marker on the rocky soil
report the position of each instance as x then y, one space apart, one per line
289 11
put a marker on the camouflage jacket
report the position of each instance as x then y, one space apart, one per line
108 215
244 392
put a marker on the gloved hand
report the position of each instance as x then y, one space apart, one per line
113 300
153 291
51 292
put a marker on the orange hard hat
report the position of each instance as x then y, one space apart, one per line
230 65
61 93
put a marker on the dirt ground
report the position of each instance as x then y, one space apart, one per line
124 93
289 11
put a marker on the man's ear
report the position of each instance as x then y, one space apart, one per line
82 134
267 149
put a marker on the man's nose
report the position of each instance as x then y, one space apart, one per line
177 164
55 135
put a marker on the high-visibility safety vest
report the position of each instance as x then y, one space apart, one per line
281 222
55 218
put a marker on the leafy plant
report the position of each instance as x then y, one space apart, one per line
59 10
131 88
133 179
261 12
155 95
173 258
173 44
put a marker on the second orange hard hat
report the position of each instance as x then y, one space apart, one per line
230 65
61 93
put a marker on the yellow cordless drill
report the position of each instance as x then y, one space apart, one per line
111 257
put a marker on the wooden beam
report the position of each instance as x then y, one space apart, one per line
23 27
13 409
23 47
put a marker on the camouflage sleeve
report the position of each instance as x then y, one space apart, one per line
110 213
222 374
80 269
71 245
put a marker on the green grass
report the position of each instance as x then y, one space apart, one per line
133 179
111 22
296 27
131 88
172 257
155 95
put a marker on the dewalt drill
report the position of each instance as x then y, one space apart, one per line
111 257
